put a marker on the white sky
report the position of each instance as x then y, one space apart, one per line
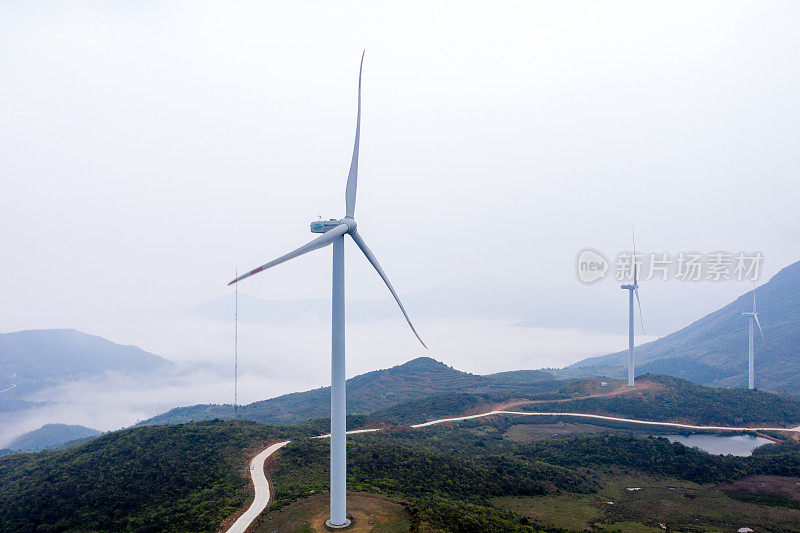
147 148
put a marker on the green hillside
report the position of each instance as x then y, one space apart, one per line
461 478
713 350
366 393
504 473
191 477
159 478
657 398
666 398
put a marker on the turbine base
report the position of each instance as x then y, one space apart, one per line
341 526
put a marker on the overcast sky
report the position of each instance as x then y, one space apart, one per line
147 149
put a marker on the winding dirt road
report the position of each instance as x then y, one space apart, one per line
262 485
262 489
602 417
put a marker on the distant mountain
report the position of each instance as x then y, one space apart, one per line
418 378
713 350
51 436
33 359
12 404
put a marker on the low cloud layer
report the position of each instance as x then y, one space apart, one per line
294 356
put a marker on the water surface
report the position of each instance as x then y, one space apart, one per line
741 445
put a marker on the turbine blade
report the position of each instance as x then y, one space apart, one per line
323 240
371 258
639 305
352 176
759 326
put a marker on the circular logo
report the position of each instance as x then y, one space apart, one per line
592 266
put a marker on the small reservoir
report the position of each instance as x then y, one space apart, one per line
741 445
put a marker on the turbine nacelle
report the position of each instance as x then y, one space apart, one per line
753 315
629 287
324 226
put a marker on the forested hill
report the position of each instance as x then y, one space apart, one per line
191 477
418 378
164 478
713 350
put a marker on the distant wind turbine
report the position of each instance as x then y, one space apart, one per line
753 317
633 289
333 232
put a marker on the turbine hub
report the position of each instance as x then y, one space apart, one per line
351 223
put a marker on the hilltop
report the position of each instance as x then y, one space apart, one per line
713 350
418 378
51 436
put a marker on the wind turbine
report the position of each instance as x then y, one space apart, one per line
753 317
633 290
333 232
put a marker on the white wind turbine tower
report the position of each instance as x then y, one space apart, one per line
753 317
633 290
236 349
333 232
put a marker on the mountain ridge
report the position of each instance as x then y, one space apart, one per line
418 378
